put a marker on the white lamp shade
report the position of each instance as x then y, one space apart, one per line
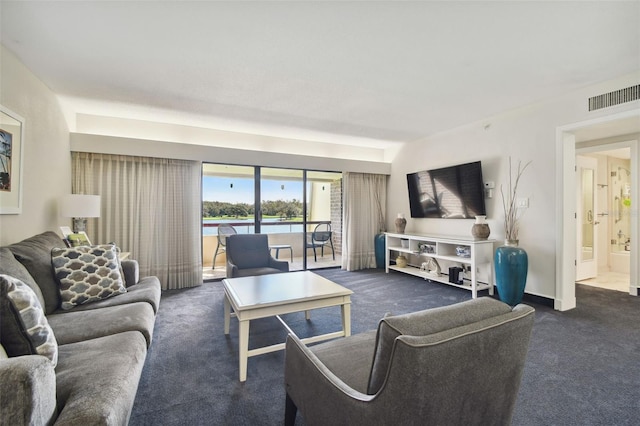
80 205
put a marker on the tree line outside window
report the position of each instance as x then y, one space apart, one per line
278 208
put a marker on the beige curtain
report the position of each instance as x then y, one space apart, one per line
151 207
364 206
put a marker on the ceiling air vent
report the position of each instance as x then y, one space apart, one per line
614 98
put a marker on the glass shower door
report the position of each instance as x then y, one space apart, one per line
586 264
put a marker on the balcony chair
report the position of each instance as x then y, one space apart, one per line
455 365
320 237
224 231
249 255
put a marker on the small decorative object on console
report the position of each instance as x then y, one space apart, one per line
400 223
480 228
401 261
463 251
427 248
404 243
431 267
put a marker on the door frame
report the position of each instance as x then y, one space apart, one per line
565 297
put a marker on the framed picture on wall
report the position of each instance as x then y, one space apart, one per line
11 161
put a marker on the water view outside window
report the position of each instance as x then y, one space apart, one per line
281 194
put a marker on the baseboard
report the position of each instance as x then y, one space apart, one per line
539 300
527 298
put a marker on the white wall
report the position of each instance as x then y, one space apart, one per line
525 134
47 162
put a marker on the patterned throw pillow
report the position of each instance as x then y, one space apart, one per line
87 274
23 325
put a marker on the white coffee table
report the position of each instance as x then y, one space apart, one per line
277 294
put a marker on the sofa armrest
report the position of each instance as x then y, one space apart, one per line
27 390
131 271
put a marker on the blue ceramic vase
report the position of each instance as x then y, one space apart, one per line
379 246
511 263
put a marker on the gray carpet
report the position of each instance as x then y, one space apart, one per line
583 366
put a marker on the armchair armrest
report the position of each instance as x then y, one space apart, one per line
131 271
232 269
27 390
282 265
308 379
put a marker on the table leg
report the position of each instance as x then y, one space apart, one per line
227 314
346 319
474 284
307 315
244 349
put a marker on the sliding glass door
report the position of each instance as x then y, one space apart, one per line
323 224
281 213
228 197
300 211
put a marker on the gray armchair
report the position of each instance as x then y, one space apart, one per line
248 255
456 365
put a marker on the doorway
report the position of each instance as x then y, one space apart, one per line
625 123
603 217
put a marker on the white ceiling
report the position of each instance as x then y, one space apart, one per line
364 73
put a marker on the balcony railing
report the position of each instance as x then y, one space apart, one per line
267 227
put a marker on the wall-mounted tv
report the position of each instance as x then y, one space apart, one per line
455 192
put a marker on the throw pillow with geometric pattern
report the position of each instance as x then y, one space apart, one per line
87 274
23 325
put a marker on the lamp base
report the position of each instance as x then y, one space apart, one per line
79 224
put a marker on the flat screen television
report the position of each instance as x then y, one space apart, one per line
455 192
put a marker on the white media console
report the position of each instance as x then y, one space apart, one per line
446 251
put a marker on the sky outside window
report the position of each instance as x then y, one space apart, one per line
219 189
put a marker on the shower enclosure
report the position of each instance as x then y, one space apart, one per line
620 218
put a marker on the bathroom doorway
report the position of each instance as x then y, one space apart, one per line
603 216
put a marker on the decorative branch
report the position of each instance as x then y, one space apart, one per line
381 222
509 204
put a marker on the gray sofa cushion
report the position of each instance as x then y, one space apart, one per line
71 327
97 379
423 323
35 254
24 329
9 265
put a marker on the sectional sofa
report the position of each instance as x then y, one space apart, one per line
70 355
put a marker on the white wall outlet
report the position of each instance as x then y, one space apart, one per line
489 185
522 203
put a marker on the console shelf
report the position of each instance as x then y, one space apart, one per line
476 255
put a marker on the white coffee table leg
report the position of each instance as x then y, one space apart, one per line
244 349
227 314
346 319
